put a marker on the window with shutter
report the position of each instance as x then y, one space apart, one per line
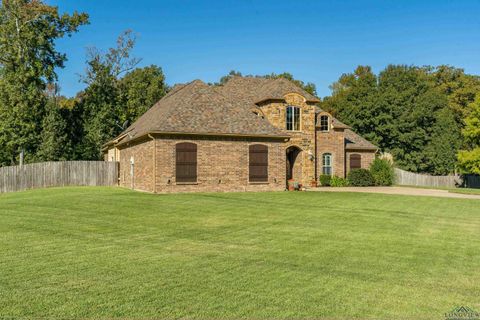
355 161
186 162
258 163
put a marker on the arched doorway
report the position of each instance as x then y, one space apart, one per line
294 163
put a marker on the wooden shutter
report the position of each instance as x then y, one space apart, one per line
258 163
186 162
355 161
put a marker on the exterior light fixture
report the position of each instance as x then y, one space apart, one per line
311 157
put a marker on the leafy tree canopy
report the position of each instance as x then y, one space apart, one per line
469 159
28 59
415 113
140 89
117 93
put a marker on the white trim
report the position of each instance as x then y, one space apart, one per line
331 163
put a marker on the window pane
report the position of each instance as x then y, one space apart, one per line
293 118
296 118
289 118
324 123
327 164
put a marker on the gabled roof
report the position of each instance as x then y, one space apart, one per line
255 89
197 108
200 109
335 122
355 142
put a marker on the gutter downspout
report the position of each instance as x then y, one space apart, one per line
154 141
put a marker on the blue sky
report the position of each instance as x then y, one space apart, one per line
316 41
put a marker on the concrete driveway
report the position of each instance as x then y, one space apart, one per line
400 191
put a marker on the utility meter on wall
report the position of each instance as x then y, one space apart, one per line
132 162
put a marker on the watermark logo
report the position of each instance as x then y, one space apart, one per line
462 313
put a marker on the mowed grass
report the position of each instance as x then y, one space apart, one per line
114 253
473 191
465 190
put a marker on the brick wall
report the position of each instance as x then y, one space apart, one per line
366 160
222 165
332 141
275 112
143 173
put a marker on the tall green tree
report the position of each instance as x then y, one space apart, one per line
55 143
404 111
445 141
460 88
139 90
354 101
411 103
101 103
469 158
28 59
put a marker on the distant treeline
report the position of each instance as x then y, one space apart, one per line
424 116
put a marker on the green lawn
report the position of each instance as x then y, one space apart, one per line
452 190
465 190
114 253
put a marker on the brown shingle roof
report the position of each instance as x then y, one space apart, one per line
338 124
256 89
198 108
335 123
354 141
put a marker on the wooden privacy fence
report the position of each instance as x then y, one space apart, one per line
406 178
58 174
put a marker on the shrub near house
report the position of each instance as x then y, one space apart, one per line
382 172
361 178
339 182
325 180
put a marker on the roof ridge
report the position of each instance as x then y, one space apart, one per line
178 90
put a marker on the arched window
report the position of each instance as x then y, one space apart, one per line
355 161
293 118
327 164
324 120
186 162
258 163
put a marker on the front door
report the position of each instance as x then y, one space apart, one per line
293 164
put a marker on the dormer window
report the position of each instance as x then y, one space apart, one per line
324 120
293 118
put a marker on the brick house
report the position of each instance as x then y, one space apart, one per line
250 134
